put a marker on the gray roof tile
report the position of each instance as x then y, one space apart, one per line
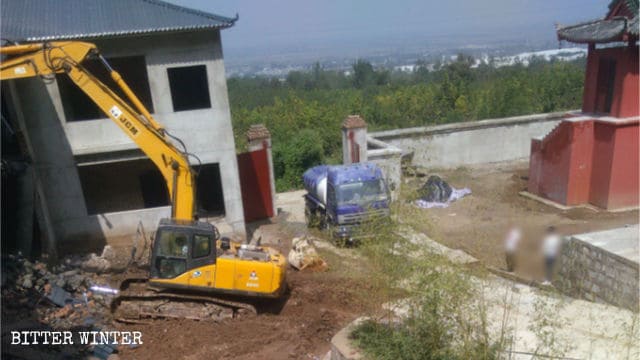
39 20
599 31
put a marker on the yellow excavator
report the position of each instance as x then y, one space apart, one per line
193 273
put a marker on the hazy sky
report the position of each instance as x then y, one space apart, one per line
271 25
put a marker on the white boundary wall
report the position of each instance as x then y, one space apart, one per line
475 142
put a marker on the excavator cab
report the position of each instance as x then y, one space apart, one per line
180 246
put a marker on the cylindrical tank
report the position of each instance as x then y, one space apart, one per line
315 182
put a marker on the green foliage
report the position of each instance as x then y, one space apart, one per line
446 318
414 340
443 317
293 157
320 100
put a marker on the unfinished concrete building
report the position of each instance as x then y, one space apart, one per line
85 182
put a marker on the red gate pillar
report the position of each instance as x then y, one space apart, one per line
259 138
354 140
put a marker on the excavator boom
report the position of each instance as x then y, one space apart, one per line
187 255
46 59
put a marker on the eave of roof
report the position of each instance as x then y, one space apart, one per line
125 33
598 31
620 24
36 20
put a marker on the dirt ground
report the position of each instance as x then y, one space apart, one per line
479 222
301 326
318 306
321 303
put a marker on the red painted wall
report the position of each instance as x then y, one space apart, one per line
602 157
629 105
255 185
590 81
625 92
580 163
548 177
623 185
588 161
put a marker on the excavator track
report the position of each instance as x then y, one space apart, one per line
139 303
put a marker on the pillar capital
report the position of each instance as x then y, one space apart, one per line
257 132
354 122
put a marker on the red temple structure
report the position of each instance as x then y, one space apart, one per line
591 157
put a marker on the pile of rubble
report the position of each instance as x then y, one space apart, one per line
62 296
303 255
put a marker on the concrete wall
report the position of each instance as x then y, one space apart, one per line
389 159
206 132
354 145
476 142
55 174
598 270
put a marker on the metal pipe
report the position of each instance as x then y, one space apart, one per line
117 78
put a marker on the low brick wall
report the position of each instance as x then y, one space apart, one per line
595 274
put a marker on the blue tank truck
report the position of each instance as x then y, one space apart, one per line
341 197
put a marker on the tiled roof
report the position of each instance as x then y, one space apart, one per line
620 22
41 20
353 122
258 131
598 31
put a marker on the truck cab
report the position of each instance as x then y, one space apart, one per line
343 198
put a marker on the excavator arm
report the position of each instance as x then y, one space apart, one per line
228 268
46 59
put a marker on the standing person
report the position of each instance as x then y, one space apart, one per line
511 242
550 248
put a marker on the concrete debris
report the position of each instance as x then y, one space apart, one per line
58 297
27 282
108 253
266 235
96 264
303 255
256 237
105 351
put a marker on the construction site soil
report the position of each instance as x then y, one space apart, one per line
299 326
319 304
478 223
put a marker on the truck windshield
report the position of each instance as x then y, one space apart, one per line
361 193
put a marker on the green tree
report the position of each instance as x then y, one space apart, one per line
292 158
363 74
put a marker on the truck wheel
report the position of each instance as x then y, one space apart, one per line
322 222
